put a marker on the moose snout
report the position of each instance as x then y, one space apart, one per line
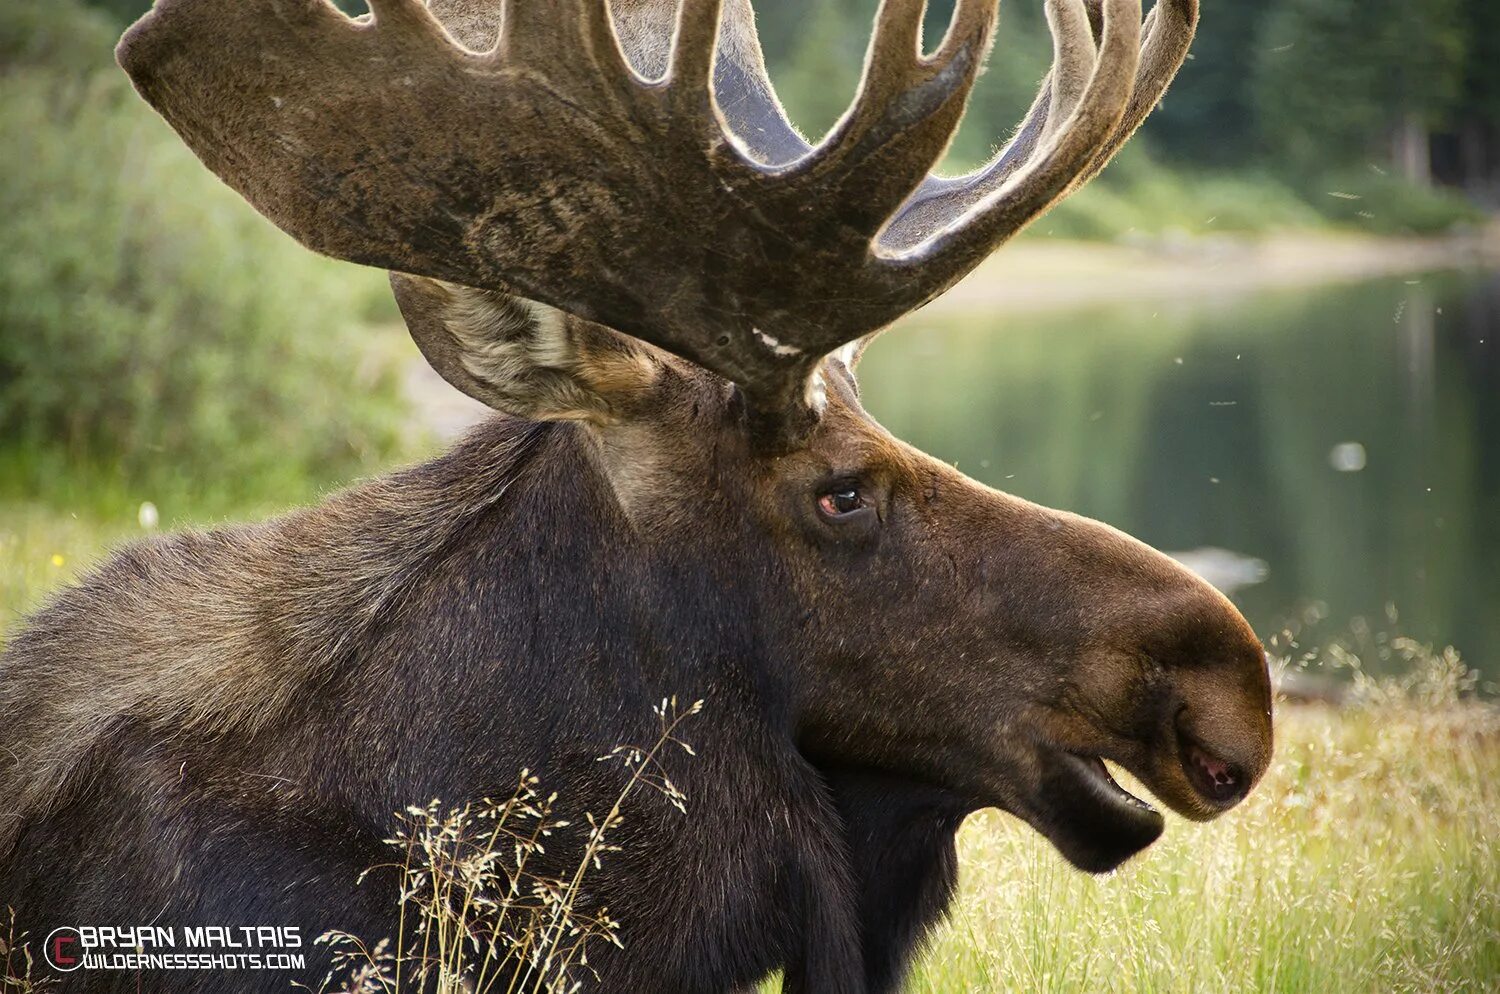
1217 737
1168 679
1175 691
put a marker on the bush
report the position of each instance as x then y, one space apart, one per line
1140 195
1384 204
60 36
148 316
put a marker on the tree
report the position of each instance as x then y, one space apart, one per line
1208 116
1333 78
1479 114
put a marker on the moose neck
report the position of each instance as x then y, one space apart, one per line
539 582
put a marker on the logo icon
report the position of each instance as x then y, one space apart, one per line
63 949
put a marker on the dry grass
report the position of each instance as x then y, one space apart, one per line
476 917
22 973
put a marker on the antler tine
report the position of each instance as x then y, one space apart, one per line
746 98
940 198
404 15
1169 31
693 49
551 30
903 116
1049 173
895 44
1074 56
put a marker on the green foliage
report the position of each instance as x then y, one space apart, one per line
816 52
1333 77
1375 201
1144 197
821 75
1003 94
1209 114
126 11
1482 67
64 37
149 316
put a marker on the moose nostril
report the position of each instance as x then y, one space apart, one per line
1215 768
1218 780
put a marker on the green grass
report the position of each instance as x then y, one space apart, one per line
42 547
1139 197
1367 861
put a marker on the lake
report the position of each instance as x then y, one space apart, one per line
1331 456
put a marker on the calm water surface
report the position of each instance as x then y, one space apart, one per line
1331 456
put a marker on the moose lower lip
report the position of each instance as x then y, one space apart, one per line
1094 768
1092 820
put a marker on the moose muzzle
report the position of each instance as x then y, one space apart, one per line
1174 689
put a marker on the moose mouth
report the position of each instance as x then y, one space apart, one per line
1097 824
1093 821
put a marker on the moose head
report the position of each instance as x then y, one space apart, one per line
599 214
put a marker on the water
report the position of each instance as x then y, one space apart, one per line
1330 456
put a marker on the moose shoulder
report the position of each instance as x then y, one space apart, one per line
664 292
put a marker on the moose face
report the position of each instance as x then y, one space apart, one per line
937 628
600 213
1000 649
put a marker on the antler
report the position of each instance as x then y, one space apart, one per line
587 163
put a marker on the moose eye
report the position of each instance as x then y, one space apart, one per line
841 501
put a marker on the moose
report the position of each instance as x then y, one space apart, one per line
599 221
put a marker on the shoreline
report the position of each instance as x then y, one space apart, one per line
1038 274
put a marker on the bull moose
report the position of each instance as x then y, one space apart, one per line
600 223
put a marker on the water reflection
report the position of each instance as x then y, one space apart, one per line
1348 438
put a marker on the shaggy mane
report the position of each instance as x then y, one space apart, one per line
223 629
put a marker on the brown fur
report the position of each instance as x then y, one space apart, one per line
215 634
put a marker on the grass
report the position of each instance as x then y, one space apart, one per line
1367 861
42 548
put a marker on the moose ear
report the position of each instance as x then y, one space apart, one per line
524 358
